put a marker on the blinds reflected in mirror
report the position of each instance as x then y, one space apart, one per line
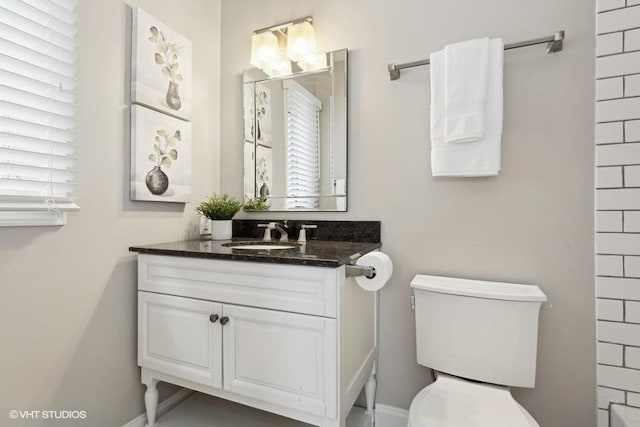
303 143
37 111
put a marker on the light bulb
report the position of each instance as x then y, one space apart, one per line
264 49
301 41
313 62
278 68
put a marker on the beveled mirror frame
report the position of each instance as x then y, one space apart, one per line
331 137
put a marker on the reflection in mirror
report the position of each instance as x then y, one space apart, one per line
295 138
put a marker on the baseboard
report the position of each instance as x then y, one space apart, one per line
163 407
390 416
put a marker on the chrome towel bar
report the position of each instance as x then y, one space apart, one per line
554 44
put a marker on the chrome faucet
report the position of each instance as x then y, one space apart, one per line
284 236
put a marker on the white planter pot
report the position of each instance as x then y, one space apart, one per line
221 230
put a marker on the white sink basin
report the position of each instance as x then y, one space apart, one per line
261 247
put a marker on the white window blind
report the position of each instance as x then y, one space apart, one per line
303 147
37 112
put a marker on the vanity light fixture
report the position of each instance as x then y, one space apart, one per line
313 62
264 49
301 41
273 48
278 68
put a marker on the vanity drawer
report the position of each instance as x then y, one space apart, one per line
286 287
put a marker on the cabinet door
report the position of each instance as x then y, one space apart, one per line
176 337
282 358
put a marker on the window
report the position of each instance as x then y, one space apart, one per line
37 82
303 147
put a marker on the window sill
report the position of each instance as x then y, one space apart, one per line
32 218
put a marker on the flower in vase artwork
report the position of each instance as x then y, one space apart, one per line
160 157
161 66
264 171
164 152
166 56
263 115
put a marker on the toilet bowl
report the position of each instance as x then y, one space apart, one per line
455 402
482 338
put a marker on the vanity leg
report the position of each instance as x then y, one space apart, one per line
370 392
151 402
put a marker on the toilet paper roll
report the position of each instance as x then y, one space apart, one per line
384 267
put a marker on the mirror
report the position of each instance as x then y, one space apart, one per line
295 138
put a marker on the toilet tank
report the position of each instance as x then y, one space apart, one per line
484 331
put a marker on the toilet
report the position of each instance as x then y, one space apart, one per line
482 338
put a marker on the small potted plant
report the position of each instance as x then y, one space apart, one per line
256 204
220 209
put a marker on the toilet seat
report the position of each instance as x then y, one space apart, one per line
455 402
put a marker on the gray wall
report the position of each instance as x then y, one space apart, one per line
68 294
531 224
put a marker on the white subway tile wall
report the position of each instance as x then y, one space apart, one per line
609 133
632 131
608 44
617 221
618 20
607 396
618 243
632 221
603 418
609 177
617 65
633 399
619 109
618 154
632 40
631 263
619 332
610 4
632 176
609 265
625 379
609 221
631 85
610 309
618 288
624 198
610 89
632 313
610 354
632 357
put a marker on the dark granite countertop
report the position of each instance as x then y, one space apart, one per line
315 252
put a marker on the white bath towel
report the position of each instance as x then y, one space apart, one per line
466 73
479 158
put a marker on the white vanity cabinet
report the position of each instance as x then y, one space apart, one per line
295 340
177 337
282 358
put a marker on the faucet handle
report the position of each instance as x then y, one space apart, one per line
302 236
267 230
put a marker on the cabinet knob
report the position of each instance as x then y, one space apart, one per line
224 320
214 318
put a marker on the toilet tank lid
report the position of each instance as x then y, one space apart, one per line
478 288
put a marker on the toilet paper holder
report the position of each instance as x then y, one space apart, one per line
352 270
